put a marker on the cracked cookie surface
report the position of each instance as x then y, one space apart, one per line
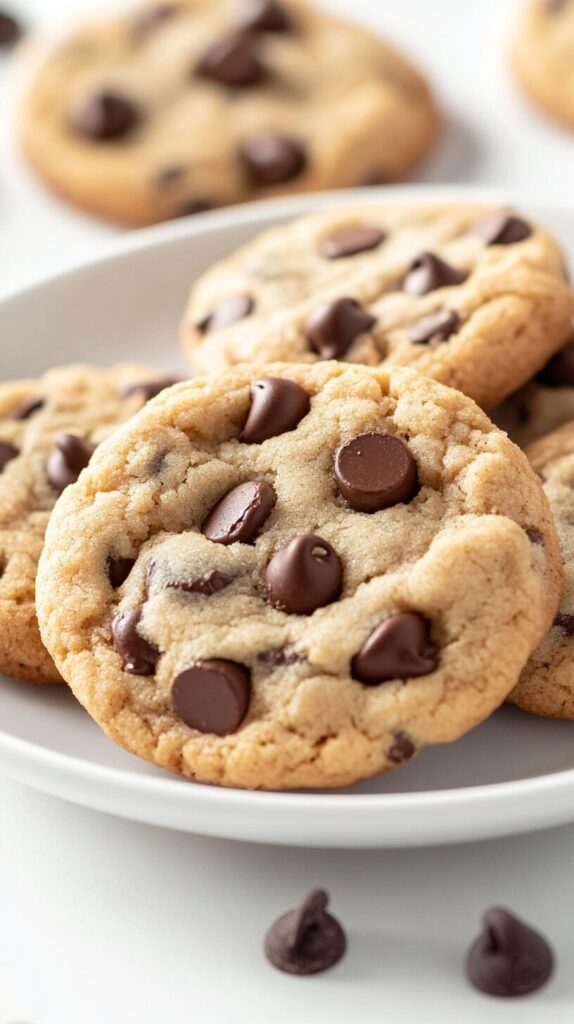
542 56
332 567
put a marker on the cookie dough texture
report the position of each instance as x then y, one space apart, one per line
459 554
81 400
542 56
336 106
546 686
510 313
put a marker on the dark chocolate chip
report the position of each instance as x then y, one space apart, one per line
105 117
402 748
375 471
397 649
240 514
228 311
7 453
212 695
118 569
436 327
428 272
333 327
277 406
351 240
151 18
139 657
306 940
29 408
233 62
509 958
280 656
10 31
565 622
534 535
304 575
265 16
190 207
271 158
207 585
501 228
170 174
148 388
70 456
559 371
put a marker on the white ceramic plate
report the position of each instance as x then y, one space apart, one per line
512 774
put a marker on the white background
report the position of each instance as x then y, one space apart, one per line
103 921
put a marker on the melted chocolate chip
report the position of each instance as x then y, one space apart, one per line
105 117
428 272
351 240
306 940
212 695
304 575
148 388
534 535
118 569
509 958
277 406
207 585
436 327
502 228
559 371
375 471
280 656
272 159
7 453
139 657
565 622
240 514
192 206
151 18
332 328
10 31
265 16
29 408
397 649
227 311
233 62
70 457
402 748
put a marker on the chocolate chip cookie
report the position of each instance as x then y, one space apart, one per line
542 56
332 567
543 404
474 297
189 105
48 431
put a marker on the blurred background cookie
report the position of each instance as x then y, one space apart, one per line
543 56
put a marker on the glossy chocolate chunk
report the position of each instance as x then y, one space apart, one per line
307 940
304 575
227 311
271 158
70 456
333 327
105 117
7 453
509 958
265 16
428 272
118 569
206 585
374 471
351 240
277 406
240 514
559 370
397 649
148 388
502 228
212 695
29 408
233 62
139 657
436 327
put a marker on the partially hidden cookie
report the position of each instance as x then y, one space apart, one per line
546 686
334 567
48 430
193 104
474 297
543 404
542 56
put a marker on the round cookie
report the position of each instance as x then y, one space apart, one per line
542 56
48 429
543 404
194 104
335 566
546 686
472 296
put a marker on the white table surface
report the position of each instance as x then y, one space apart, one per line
107 922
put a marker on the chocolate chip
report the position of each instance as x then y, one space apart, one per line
151 18
306 940
277 406
7 453
265 16
232 61
534 535
351 240
559 371
212 695
436 327
565 622
148 388
227 311
105 117
304 575
280 656
402 749
169 174
29 408
509 958
10 30
272 159
240 514
428 272
118 569
555 6
70 457
190 207
375 471
139 657
397 649
502 228
208 585
333 327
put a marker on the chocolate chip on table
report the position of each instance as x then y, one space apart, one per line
428 272
374 471
351 240
29 408
332 328
402 748
306 940
501 227
7 453
240 514
212 695
105 117
509 958
10 31
564 622
436 327
265 16
397 649
148 388
70 456
277 406
227 311
139 657
232 61
559 370
153 17
304 575
271 158
190 207
207 585
118 569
